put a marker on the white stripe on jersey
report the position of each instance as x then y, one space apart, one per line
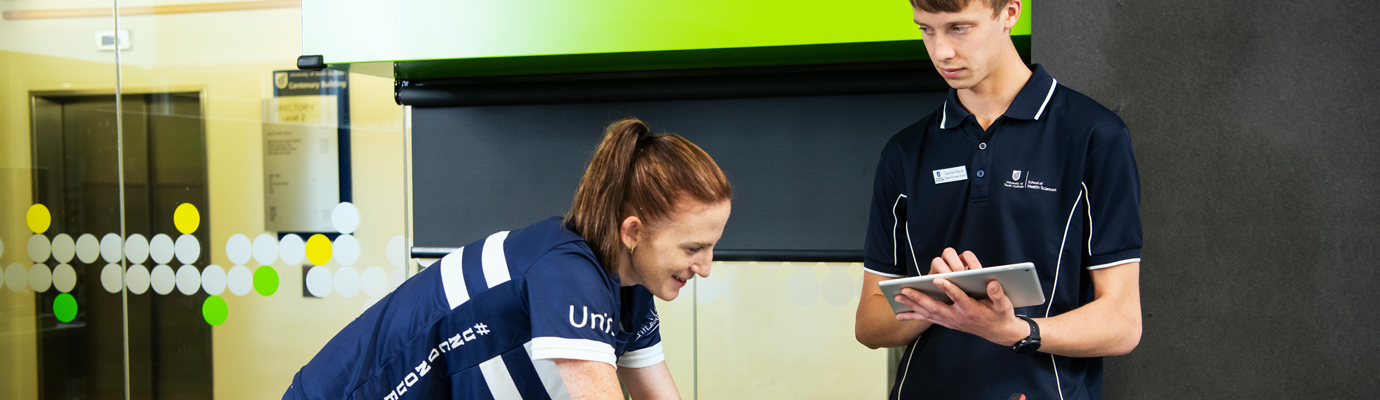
453 279
495 262
549 347
500 381
550 376
642 358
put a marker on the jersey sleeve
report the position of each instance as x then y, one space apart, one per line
644 349
571 306
885 249
1112 200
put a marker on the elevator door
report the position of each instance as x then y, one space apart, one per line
76 170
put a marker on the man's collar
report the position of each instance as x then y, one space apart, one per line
1030 103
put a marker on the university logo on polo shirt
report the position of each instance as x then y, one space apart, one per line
488 321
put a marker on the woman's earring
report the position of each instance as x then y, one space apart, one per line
630 249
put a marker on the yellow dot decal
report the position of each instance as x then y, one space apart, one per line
39 218
186 218
318 249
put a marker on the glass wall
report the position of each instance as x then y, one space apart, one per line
183 214
206 233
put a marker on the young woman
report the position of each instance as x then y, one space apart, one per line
552 310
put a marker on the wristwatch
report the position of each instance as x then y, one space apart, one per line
1031 343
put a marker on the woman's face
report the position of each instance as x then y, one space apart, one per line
671 252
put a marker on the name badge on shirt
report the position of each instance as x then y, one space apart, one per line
955 174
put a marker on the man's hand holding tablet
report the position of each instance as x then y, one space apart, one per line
959 294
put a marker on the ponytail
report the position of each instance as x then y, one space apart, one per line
633 173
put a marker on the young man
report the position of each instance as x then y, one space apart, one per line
1013 168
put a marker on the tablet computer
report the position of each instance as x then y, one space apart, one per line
1019 281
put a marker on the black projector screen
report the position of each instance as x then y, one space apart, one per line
801 167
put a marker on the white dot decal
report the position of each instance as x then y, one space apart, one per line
396 279
374 282
111 278
161 249
367 304
16 277
347 281
137 279
39 248
345 217
803 286
345 249
265 249
319 281
110 248
838 287
188 280
163 279
213 280
64 248
88 249
187 249
240 281
397 251
136 250
40 278
64 278
291 249
238 249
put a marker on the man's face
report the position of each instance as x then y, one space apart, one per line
966 45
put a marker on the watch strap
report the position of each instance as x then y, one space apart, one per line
1031 343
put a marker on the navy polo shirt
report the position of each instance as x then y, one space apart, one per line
1052 181
487 322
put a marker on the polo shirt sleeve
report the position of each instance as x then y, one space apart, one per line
1112 197
571 306
644 348
885 249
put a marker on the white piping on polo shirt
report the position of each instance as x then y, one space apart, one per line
1114 263
1052 85
1058 264
1088 201
895 257
944 116
902 384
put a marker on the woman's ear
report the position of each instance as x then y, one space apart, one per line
630 231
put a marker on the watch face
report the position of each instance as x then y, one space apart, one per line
1027 346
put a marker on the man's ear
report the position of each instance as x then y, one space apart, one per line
1011 14
630 231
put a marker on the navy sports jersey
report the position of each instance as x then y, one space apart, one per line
1052 181
486 322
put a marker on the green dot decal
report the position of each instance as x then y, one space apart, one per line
65 307
215 310
265 280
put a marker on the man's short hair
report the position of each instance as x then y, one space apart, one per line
937 6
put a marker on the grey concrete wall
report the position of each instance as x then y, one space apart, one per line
1255 127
